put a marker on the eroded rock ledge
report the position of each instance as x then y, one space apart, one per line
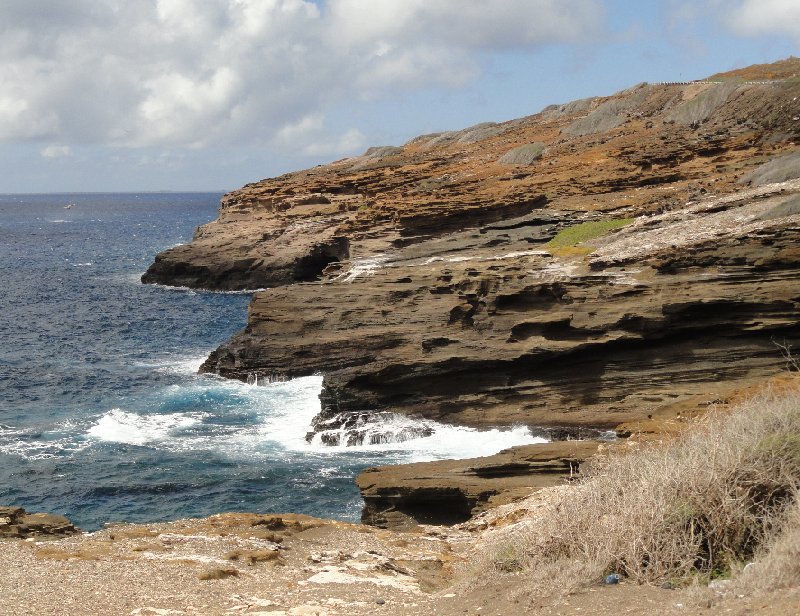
676 305
421 279
16 523
453 491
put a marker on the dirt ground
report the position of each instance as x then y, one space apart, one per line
295 565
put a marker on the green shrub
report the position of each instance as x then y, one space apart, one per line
568 239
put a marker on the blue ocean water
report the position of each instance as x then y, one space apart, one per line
103 416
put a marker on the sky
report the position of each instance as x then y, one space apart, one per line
206 95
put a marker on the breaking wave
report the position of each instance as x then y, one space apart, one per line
419 440
243 421
133 429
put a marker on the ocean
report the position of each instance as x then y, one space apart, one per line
103 417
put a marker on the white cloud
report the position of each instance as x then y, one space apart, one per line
56 151
500 24
350 142
764 17
180 73
294 131
309 137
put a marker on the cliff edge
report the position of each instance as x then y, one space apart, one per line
610 263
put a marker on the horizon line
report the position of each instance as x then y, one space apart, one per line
114 192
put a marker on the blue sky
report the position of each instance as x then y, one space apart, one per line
107 95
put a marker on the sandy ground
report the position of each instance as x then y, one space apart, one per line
295 565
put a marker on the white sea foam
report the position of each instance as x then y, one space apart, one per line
420 440
288 422
288 409
460 442
281 415
119 426
16 442
280 418
186 365
194 291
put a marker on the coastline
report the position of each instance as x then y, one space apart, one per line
623 264
618 263
296 565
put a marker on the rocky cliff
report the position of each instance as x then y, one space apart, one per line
606 263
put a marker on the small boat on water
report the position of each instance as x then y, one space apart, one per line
68 206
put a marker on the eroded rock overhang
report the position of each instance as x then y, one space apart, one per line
434 292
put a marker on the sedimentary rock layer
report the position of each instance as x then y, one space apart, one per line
421 279
16 523
452 491
462 330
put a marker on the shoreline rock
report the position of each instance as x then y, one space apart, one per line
448 492
449 304
426 280
16 523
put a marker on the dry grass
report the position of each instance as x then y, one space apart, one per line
699 507
778 565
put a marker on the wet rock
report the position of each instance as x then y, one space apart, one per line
365 428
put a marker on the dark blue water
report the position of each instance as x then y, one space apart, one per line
102 415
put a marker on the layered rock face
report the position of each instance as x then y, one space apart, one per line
16 523
453 491
422 279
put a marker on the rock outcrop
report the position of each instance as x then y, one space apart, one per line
467 330
422 279
16 523
659 145
453 491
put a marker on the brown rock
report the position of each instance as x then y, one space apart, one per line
287 229
217 574
16 523
252 557
427 286
11 514
676 306
452 491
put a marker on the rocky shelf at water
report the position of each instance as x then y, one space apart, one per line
421 279
16 523
453 491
